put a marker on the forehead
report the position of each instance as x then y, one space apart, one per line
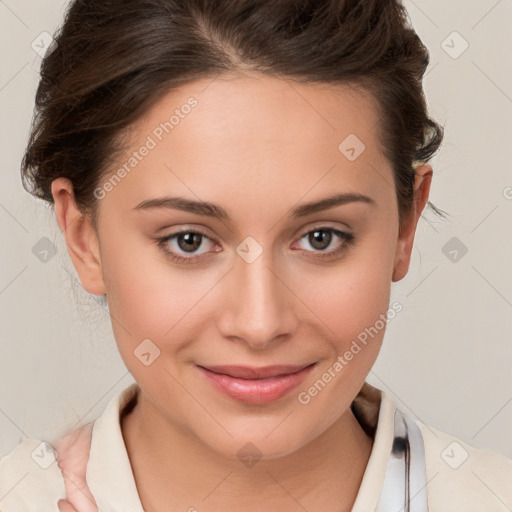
257 133
256 109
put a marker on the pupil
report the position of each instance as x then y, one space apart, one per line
319 237
192 241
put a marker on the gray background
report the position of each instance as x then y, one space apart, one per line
447 357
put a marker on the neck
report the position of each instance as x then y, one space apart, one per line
323 475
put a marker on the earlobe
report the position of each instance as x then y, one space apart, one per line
81 237
406 236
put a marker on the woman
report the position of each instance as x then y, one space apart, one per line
242 182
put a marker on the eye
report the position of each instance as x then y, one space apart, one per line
181 247
322 238
184 242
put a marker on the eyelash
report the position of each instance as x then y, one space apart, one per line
348 238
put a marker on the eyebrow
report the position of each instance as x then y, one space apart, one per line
213 210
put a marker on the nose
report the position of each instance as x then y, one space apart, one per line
258 307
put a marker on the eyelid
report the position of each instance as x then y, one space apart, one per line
187 228
325 225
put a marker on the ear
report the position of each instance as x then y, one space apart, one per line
405 240
81 237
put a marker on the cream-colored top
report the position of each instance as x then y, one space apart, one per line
460 478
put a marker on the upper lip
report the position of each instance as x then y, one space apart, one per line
251 372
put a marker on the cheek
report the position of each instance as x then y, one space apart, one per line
354 310
149 298
139 284
352 295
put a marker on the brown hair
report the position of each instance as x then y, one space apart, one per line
113 59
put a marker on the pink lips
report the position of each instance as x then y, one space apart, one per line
256 385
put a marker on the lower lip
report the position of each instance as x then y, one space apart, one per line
256 391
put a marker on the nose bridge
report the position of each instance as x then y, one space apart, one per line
257 310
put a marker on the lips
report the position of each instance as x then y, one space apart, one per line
256 386
248 372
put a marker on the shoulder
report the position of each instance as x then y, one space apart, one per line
30 478
463 477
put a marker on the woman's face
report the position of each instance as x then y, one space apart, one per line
256 278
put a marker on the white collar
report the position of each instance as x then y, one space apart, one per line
110 477
109 474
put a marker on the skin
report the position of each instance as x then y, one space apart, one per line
256 146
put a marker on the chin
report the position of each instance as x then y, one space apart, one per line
248 448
